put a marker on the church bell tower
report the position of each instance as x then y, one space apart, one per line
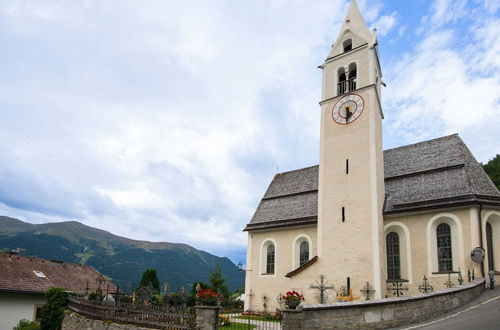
351 173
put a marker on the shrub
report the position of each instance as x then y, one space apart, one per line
27 325
52 312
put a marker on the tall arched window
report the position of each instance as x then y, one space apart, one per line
445 260
342 84
393 257
304 253
352 76
270 259
489 243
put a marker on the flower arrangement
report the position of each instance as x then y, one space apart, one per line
292 299
292 296
208 297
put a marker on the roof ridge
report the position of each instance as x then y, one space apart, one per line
426 141
296 170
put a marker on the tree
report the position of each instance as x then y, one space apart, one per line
217 282
492 168
52 312
150 277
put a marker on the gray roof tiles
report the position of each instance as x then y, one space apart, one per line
435 173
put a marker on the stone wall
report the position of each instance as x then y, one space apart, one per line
74 321
382 313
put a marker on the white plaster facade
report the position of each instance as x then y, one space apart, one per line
17 306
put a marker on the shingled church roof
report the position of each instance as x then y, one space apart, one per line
431 174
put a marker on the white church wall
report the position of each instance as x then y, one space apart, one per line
266 288
422 243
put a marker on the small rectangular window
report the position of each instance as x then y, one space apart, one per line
343 214
347 166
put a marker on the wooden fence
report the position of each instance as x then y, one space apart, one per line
150 316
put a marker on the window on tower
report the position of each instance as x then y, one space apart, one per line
352 76
342 84
347 45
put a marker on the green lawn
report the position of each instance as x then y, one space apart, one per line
237 326
255 317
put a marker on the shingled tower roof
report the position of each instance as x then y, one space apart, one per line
432 174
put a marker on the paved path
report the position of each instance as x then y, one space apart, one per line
482 313
260 324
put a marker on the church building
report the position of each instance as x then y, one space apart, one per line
366 218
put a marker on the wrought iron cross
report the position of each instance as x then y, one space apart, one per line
448 283
425 287
322 287
367 291
460 278
398 288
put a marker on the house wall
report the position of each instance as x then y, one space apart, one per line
259 285
15 307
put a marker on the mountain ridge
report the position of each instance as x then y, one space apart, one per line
120 258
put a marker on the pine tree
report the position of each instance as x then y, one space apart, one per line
149 277
492 168
217 282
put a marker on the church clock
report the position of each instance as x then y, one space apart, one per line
347 109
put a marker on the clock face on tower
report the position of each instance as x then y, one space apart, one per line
348 109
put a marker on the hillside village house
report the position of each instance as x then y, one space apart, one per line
24 280
364 215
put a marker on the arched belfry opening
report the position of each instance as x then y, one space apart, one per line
347 45
347 80
342 84
352 76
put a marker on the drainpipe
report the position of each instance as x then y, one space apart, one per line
481 235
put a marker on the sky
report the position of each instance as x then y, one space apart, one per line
167 120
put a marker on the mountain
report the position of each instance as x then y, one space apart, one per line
119 258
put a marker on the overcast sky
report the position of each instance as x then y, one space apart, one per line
166 120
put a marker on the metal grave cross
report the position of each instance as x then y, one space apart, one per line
425 287
367 291
397 288
322 287
448 283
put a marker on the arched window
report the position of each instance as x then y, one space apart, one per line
489 243
352 76
304 253
342 84
443 236
270 259
347 45
393 257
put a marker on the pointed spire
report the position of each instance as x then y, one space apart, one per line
355 24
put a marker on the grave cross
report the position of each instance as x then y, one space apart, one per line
448 283
367 291
397 288
425 287
322 287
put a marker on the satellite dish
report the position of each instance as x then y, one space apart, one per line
477 255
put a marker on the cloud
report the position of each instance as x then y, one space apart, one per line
385 23
446 86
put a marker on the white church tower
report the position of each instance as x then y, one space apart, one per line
351 172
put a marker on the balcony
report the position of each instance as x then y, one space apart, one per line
346 86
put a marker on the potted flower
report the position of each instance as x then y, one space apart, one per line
208 297
292 299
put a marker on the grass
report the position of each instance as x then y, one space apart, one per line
255 317
237 326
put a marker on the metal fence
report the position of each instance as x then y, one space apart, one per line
151 316
229 320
